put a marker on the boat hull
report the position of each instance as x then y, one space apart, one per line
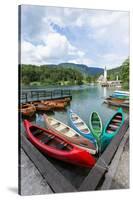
116 124
28 110
74 155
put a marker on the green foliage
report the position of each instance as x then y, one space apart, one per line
122 72
46 75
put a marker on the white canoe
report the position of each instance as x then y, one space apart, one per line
70 134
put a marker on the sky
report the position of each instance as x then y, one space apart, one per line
53 35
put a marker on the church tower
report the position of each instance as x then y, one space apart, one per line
105 74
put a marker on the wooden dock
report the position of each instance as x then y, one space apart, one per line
36 95
63 177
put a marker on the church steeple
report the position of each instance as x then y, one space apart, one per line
105 74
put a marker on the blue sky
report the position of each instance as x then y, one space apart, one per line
52 35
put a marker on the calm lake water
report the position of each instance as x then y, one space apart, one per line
86 99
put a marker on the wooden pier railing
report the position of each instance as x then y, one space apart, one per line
34 95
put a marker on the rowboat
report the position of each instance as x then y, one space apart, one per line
67 100
80 126
112 128
55 104
124 105
117 100
118 96
120 92
57 147
96 125
41 107
70 134
27 109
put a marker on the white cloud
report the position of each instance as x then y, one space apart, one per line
57 48
111 60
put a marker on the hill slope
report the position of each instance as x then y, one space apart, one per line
92 71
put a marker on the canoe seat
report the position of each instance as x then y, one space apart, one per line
85 130
53 123
118 116
82 127
109 131
60 128
113 126
116 120
37 132
61 146
78 121
47 139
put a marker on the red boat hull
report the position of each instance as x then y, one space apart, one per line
75 156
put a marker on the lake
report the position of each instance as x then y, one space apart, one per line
86 99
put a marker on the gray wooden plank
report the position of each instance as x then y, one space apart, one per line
97 172
114 164
54 178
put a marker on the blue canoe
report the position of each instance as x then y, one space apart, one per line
112 128
80 126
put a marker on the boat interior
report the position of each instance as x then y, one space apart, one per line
49 139
67 131
80 124
115 123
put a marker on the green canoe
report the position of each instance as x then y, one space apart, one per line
111 128
96 125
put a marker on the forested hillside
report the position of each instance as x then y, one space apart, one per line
122 72
62 74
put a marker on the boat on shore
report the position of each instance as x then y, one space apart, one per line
112 128
80 126
27 109
57 147
70 134
96 125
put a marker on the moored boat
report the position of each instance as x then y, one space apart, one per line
120 92
55 104
41 107
27 109
70 134
57 147
112 128
96 125
80 126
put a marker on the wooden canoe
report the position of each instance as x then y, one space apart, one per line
41 107
70 134
55 104
111 128
96 125
57 147
27 109
80 126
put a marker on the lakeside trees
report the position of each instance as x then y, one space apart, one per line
40 75
57 75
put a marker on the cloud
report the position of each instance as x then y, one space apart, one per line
54 35
56 49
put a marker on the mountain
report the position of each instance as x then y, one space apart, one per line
92 71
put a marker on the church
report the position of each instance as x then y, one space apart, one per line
102 80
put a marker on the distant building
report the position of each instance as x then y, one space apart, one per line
102 80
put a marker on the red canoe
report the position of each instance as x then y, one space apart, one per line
55 146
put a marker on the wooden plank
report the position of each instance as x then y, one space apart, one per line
114 164
97 172
54 178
